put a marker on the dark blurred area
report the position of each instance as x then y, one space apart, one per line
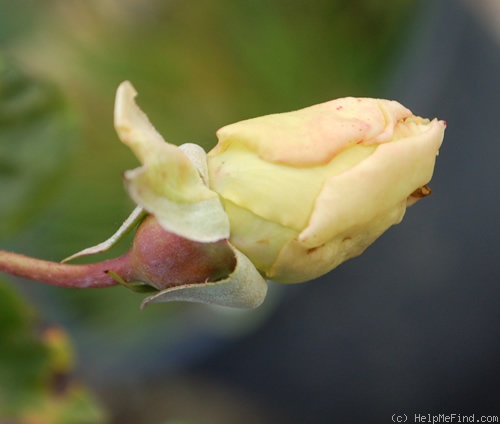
410 327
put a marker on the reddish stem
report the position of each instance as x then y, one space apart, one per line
66 275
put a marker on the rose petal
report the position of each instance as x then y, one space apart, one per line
354 198
314 135
168 185
246 180
298 263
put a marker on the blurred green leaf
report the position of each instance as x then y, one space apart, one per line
36 139
35 367
22 356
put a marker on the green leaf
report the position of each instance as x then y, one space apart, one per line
22 356
35 370
36 140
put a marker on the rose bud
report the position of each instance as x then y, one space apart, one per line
306 190
297 193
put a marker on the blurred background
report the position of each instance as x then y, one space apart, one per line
411 326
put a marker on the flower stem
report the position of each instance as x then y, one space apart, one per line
66 275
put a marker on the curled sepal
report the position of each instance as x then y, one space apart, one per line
168 184
132 221
243 288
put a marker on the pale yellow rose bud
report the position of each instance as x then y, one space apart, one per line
292 195
306 190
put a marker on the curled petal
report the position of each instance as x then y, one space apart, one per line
198 157
168 185
314 135
382 181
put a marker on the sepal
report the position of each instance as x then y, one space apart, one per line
243 288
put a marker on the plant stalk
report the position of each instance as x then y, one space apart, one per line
82 276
